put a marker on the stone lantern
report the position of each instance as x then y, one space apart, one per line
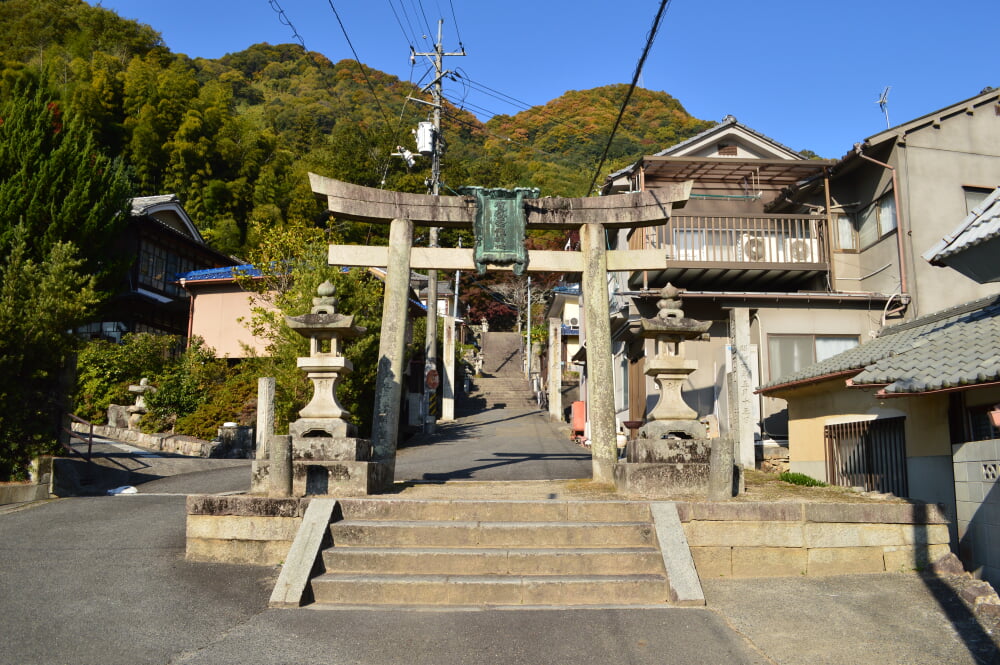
326 330
672 453
325 455
671 417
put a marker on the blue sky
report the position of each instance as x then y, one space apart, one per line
807 74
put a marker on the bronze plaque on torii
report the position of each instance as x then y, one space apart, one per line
499 226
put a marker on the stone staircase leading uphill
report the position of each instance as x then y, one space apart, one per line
389 552
503 384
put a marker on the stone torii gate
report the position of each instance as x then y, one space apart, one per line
591 216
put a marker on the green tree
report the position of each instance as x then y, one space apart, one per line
62 202
40 300
56 183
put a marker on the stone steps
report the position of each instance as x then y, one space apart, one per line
496 553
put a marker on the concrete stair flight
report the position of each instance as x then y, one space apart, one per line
491 553
503 384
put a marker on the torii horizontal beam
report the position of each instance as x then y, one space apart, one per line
380 206
440 258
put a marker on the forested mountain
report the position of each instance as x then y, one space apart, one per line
234 137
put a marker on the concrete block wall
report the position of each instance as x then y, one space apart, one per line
793 539
242 529
38 488
976 465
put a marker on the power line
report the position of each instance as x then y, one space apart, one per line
635 80
423 13
284 20
454 20
361 67
400 24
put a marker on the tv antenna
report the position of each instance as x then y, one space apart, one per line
883 104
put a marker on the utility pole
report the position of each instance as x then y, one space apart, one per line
431 376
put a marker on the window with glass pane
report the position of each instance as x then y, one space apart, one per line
689 244
827 347
868 233
789 353
886 214
974 196
846 238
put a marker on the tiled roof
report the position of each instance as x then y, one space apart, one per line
142 203
981 225
227 272
728 121
952 348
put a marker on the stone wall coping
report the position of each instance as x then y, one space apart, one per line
875 513
245 506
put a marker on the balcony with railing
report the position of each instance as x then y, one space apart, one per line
747 252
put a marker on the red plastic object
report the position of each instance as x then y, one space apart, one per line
578 419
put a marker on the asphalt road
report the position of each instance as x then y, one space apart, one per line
103 580
496 444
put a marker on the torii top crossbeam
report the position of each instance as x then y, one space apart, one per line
366 204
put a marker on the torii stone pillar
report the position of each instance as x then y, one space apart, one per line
392 346
591 215
600 381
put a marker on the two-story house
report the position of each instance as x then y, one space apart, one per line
797 260
764 278
163 244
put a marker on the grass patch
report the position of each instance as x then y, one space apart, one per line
800 479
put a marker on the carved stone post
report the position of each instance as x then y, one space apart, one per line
448 385
555 368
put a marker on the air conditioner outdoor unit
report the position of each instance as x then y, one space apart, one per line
755 248
572 322
801 250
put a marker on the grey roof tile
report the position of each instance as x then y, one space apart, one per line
955 347
981 225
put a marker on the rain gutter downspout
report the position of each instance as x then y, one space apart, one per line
859 150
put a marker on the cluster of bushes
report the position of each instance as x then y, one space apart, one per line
195 391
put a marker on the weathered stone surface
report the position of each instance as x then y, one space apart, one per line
243 552
331 448
658 479
713 561
906 558
853 535
234 527
920 534
746 512
845 560
246 506
876 513
340 478
600 398
745 534
948 564
769 561
669 451
118 416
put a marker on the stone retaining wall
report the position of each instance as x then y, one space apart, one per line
242 529
793 539
178 444
726 539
